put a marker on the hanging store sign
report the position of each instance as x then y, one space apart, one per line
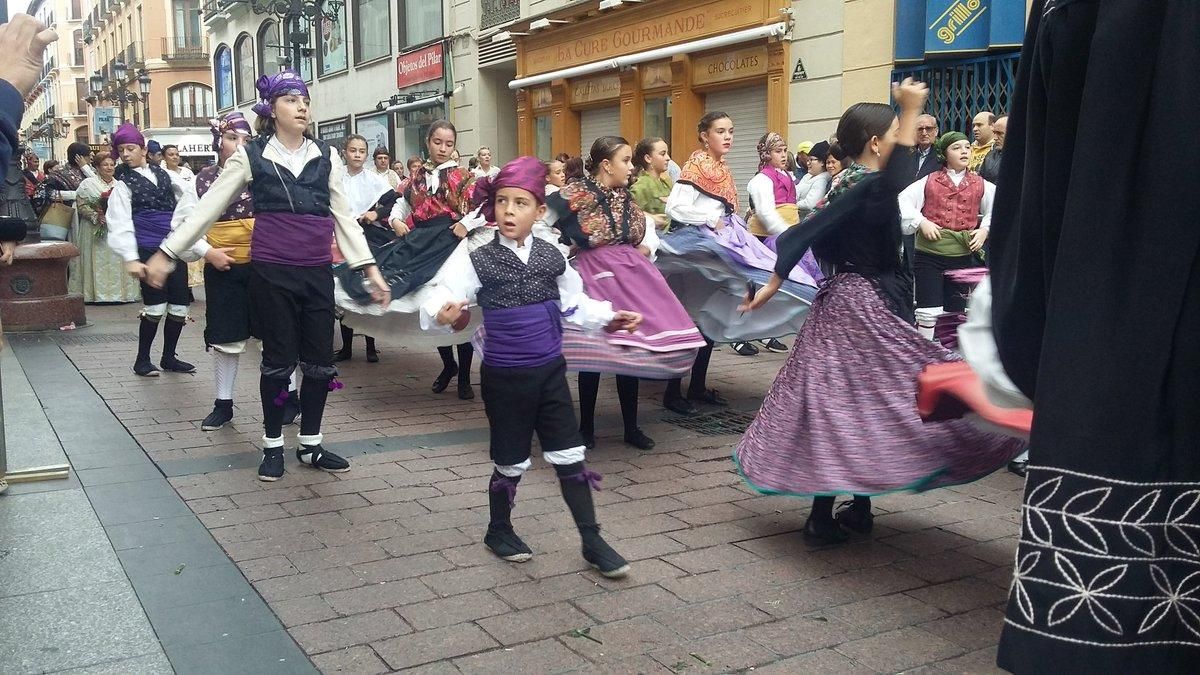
593 89
729 66
931 27
419 66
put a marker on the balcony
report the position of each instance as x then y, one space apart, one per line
185 48
135 56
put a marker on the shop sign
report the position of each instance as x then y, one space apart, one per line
930 27
594 40
542 97
420 66
728 66
655 75
496 12
188 144
104 120
593 89
334 133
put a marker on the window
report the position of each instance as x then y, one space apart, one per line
541 138
420 22
191 105
77 39
331 53
187 23
76 10
81 93
223 76
243 63
372 37
306 65
81 134
657 118
270 56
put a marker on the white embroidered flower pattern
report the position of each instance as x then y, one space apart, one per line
1086 594
1182 599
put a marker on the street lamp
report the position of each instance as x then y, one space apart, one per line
290 13
119 93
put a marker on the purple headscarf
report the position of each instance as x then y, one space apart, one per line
271 87
126 133
527 173
233 121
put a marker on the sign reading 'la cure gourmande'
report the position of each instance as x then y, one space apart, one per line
423 65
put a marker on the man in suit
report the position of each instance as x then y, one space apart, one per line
990 169
927 159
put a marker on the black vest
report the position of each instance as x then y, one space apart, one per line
146 196
273 184
507 282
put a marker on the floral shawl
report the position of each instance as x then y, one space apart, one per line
711 177
591 215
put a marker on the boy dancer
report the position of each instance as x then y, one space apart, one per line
525 287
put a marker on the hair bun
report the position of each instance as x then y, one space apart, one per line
589 166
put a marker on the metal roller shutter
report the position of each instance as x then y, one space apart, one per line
595 123
748 109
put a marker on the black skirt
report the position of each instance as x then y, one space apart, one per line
407 262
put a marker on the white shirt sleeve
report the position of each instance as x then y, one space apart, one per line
119 215
400 210
812 189
184 208
350 238
461 285
762 192
473 220
912 200
578 309
977 343
682 206
985 206
651 240
234 178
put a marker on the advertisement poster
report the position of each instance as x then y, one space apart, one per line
334 133
332 47
377 131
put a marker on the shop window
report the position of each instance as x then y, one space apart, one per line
223 76
657 119
243 63
413 126
270 57
541 138
420 22
372 37
191 105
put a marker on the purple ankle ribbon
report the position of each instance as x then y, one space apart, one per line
281 397
334 384
587 475
502 483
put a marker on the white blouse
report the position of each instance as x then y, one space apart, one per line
762 194
688 205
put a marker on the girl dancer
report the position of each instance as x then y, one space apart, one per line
651 158
952 210
614 241
139 218
296 188
438 199
772 191
708 246
226 253
840 416
525 287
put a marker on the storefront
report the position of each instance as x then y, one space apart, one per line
653 70
195 147
421 81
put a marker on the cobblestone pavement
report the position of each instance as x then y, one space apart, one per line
383 569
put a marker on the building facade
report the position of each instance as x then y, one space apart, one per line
150 60
56 112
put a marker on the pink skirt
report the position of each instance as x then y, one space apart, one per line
841 416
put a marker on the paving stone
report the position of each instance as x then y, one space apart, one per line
378 596
358 660
631 602
424 542
620 639
976 629
267 568
349 631
721 653
961 595
899 650
978 662
712 617
406 567
433 645
883 613
820 662
473 579
945 566
723 556
452 610
544 656
535 623
301 585
262 548
549 590
336 556
299 611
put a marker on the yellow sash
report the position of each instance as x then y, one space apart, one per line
789 213
234 234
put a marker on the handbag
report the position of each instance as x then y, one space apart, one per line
56 221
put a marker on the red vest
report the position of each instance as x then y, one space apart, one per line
953 207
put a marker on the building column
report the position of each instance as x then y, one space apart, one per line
564 122
687 107
525 128
778 79
632 105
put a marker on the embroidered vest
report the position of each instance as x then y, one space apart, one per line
506 282
242 207
275 189
146 196
953 207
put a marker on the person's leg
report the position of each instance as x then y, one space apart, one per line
466 354
856 515
511 412
449 369
954 295
179 296
589 388
927 276
372 353
317 369
821 526
225 365
673 399
698 388
151 316
347 350
627 394
274 311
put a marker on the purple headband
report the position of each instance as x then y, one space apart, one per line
271 87
233 121
527 173
126 133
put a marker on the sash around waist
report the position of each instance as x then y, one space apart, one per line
151 227
299 239
523 337
233 234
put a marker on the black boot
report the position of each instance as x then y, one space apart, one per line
821 527
465 352
856 515
172 328
449 369
347 350
576 483
146 332
500 537
627 394
372 353
221 415
674 401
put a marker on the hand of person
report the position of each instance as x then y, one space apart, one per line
380 291
7 249
451 313
624 320
764 294
459 230
23 41
137 270
930 230
157 269
399 227
661 219
910 95
978 237
369 216
219 258
645 250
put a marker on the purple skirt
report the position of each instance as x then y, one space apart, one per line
841 416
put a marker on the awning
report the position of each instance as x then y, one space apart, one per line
772 30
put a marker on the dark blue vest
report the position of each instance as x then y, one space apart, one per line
507 282
273 184
146 196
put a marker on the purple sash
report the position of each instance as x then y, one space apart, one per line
292 239
150 227
523 337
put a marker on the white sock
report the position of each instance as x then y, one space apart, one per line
293 385
225 368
